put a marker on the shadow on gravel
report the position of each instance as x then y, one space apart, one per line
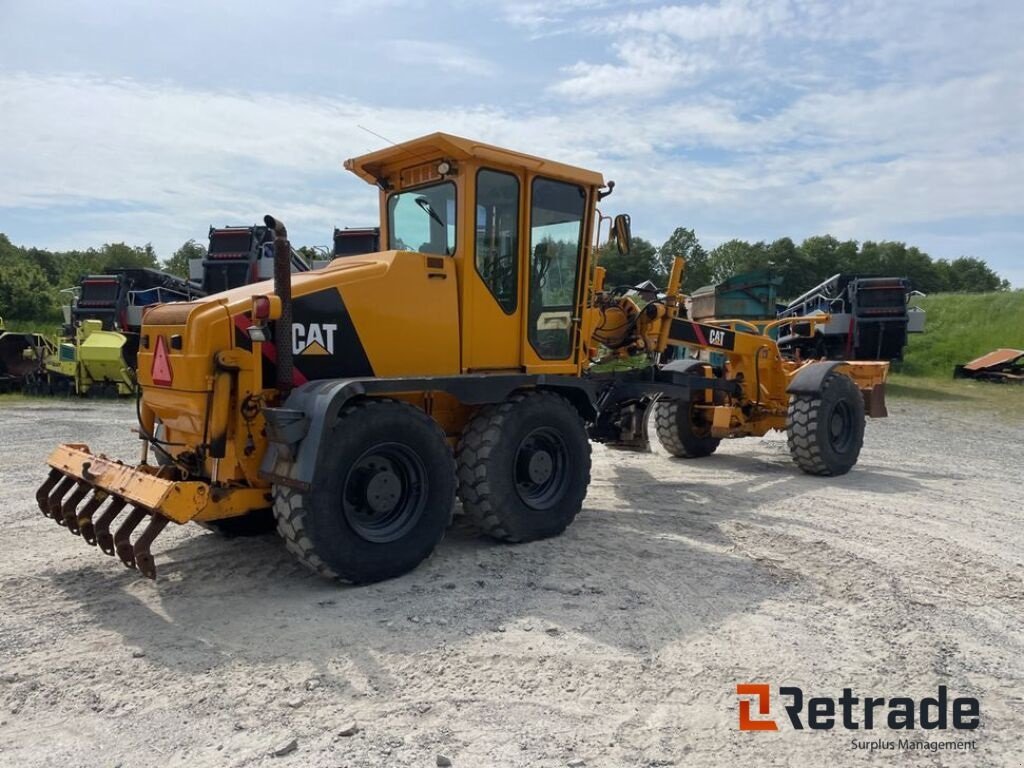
787 478
630 580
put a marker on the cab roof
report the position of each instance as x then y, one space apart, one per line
375 165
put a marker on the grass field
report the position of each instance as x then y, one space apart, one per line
47 327
961 327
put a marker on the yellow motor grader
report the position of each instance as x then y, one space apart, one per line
350 406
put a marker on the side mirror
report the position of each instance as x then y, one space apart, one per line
623 234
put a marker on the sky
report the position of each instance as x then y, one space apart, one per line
147 121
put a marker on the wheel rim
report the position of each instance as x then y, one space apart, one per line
699 425
840 427
542 465
385 492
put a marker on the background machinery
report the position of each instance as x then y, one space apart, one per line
353 241
22 356
748 296
97 349
868 319
238 256
358 400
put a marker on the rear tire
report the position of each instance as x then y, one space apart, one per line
681 430
381 498
826 430
524 467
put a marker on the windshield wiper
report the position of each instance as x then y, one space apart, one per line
423 203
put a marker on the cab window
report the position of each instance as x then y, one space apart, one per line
556 239
497 235
423 219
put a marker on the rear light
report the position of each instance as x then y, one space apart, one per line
260 308
161 370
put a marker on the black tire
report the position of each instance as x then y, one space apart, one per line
826 430
682 431
524 467
381 499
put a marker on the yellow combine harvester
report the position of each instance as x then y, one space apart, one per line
357 401
92 360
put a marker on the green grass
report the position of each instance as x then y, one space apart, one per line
1008 398
961 327
46 327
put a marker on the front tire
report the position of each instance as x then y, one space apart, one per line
683 430
381 498
524 467
826 430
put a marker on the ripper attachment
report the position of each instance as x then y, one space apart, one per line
61 498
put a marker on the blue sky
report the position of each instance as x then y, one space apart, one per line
148 121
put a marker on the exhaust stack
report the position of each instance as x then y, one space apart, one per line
283 290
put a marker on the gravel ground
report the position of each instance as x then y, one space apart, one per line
619 643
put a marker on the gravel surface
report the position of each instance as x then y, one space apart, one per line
619 643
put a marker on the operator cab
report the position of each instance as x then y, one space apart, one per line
518 229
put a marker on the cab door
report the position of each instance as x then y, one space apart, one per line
557 256
492 309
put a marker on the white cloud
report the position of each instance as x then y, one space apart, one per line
538 15
707 21
143 161
647 66
436 55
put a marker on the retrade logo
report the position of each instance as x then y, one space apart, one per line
762 695
849 712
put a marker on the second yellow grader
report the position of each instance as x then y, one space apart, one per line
351 405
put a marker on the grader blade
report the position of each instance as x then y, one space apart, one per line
122 540
69 509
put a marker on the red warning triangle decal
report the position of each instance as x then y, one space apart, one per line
161 370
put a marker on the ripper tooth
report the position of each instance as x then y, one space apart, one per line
43 492
85 514
69 509
122 540
143 557
54 499
102 528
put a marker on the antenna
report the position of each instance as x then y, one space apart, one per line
374 133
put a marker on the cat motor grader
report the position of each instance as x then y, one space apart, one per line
350 406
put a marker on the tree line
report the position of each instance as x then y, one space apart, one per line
31 278
801 267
